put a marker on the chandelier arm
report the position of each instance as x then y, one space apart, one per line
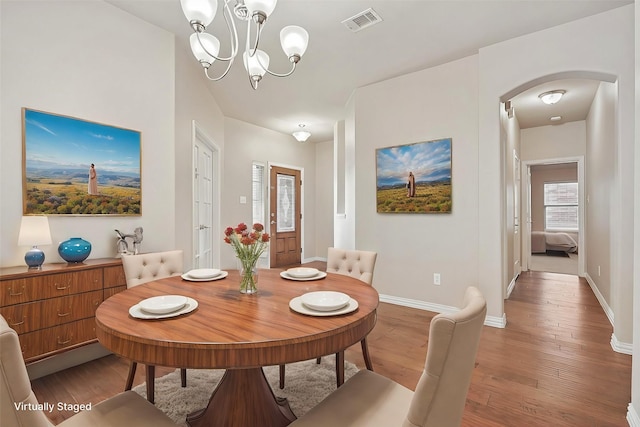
215 79
293 68
252 50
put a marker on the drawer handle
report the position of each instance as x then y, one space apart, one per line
64 342
15 294
62 288
63 314
24 319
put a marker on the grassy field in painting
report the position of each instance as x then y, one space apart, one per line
429 198
60 197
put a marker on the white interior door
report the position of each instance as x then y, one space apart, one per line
205 201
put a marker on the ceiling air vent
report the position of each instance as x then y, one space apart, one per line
362 20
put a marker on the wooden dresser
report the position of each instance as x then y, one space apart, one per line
53 309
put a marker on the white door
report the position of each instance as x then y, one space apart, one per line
205 201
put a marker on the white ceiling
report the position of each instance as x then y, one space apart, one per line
414 35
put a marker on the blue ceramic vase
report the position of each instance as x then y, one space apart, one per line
75 249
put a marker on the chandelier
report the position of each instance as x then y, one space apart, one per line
206 47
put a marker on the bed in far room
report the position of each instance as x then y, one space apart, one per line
543 241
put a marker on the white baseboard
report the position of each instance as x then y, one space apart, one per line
632 416
496 322
511 286
603 303
616 345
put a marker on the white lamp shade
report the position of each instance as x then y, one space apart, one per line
210 43
34 230
202 11
252 65
264 6
294 40
301 135
551 97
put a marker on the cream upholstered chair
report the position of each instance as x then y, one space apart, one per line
369 399
124 409
143 268
354 263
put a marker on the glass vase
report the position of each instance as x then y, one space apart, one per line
248 278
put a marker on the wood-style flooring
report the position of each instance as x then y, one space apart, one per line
551 366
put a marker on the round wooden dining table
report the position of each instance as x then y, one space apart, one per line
237 332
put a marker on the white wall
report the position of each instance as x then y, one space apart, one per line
633 415
68 62
600 179
554 142
599 43
245 143
439 102
324 198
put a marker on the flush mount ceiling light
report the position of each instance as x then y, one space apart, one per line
552 96
301 135
206 47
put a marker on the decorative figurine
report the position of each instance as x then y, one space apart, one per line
123 245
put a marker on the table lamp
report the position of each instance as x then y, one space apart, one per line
34 231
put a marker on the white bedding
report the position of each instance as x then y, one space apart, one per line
542 241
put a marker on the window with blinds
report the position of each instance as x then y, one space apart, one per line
561 206
258 194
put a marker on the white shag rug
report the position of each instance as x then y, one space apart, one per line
306 384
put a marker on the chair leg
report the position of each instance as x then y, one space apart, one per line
151 377
183 377
282 376
365 354
318 360
131 376
340 368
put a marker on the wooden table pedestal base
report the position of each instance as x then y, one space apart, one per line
257 407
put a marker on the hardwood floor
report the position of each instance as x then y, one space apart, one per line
551 366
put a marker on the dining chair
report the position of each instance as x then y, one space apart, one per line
19 405
368 398
143 268
358 264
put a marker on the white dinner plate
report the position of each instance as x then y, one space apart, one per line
222 275
325 300
163 304
320 275
297 306
203 273
302 272
136 312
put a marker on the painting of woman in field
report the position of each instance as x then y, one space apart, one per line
58 152
427 189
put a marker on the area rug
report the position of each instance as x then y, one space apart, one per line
306 384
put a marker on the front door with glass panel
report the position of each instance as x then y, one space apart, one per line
284 217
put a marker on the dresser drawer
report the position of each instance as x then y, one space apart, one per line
114 276
18 291
40 344
32 316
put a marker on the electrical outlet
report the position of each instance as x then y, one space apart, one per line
436 278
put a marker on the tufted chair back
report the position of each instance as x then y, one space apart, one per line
15 385
441 392
143 268
358 264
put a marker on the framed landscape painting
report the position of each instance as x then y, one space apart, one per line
414 178
77 167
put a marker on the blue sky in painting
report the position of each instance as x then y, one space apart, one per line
58 142
429 161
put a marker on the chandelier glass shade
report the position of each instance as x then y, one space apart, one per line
206 47
301 135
